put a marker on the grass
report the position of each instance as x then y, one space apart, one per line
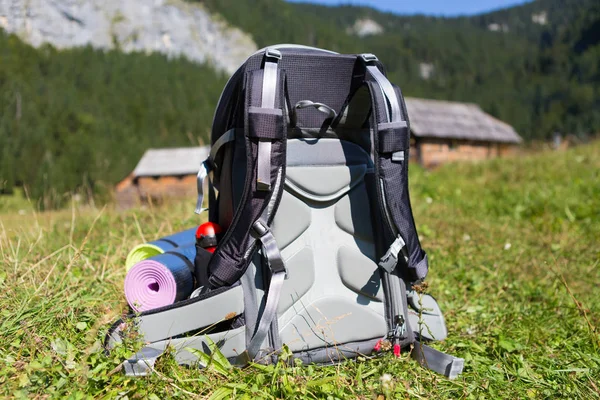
515 254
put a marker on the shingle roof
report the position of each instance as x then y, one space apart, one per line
171 161
453 120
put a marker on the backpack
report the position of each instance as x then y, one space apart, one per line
308 177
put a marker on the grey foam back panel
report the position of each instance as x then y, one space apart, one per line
333 293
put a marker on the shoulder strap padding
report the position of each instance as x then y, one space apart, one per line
392 136
230 260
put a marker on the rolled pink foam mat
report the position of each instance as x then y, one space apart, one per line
161 280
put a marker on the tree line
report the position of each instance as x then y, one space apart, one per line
81 118
539 77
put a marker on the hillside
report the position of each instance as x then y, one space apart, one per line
78 119
171 27
540 78
513 265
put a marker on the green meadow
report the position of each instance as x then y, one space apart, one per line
514 247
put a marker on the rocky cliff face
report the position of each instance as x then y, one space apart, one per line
171 27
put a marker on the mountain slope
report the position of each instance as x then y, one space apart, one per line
171 27
82 118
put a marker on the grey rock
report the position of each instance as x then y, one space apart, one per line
171 27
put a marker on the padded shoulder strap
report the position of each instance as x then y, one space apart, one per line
390 123
265 130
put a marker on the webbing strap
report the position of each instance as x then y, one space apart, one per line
142 363
200 179
435 360
269 313
263 177
172 243
269 90
225 138
183 258
277 266
205 167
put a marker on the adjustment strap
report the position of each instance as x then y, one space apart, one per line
225 138
183 258
273 293
142 363
435 360
269 91
205 169
265 235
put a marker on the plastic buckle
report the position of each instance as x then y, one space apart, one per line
273 53
388 262
264 234
368 57
390 259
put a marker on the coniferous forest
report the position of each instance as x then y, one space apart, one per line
82 118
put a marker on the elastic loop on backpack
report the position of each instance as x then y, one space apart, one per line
393 137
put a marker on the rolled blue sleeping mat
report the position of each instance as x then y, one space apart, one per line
161 280
160 246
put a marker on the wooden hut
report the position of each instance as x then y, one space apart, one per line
445 131
442 131
162 173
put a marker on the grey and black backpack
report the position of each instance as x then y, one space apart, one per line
309 160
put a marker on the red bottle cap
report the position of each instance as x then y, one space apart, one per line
206 236
208 229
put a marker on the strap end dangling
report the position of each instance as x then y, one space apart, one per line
201 177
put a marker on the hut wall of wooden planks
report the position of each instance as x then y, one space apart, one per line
444 131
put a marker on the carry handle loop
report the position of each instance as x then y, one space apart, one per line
324 108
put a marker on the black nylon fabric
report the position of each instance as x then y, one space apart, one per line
265 123
316 76
393 138
233 254
201 261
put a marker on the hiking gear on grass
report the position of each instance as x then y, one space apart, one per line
310 160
